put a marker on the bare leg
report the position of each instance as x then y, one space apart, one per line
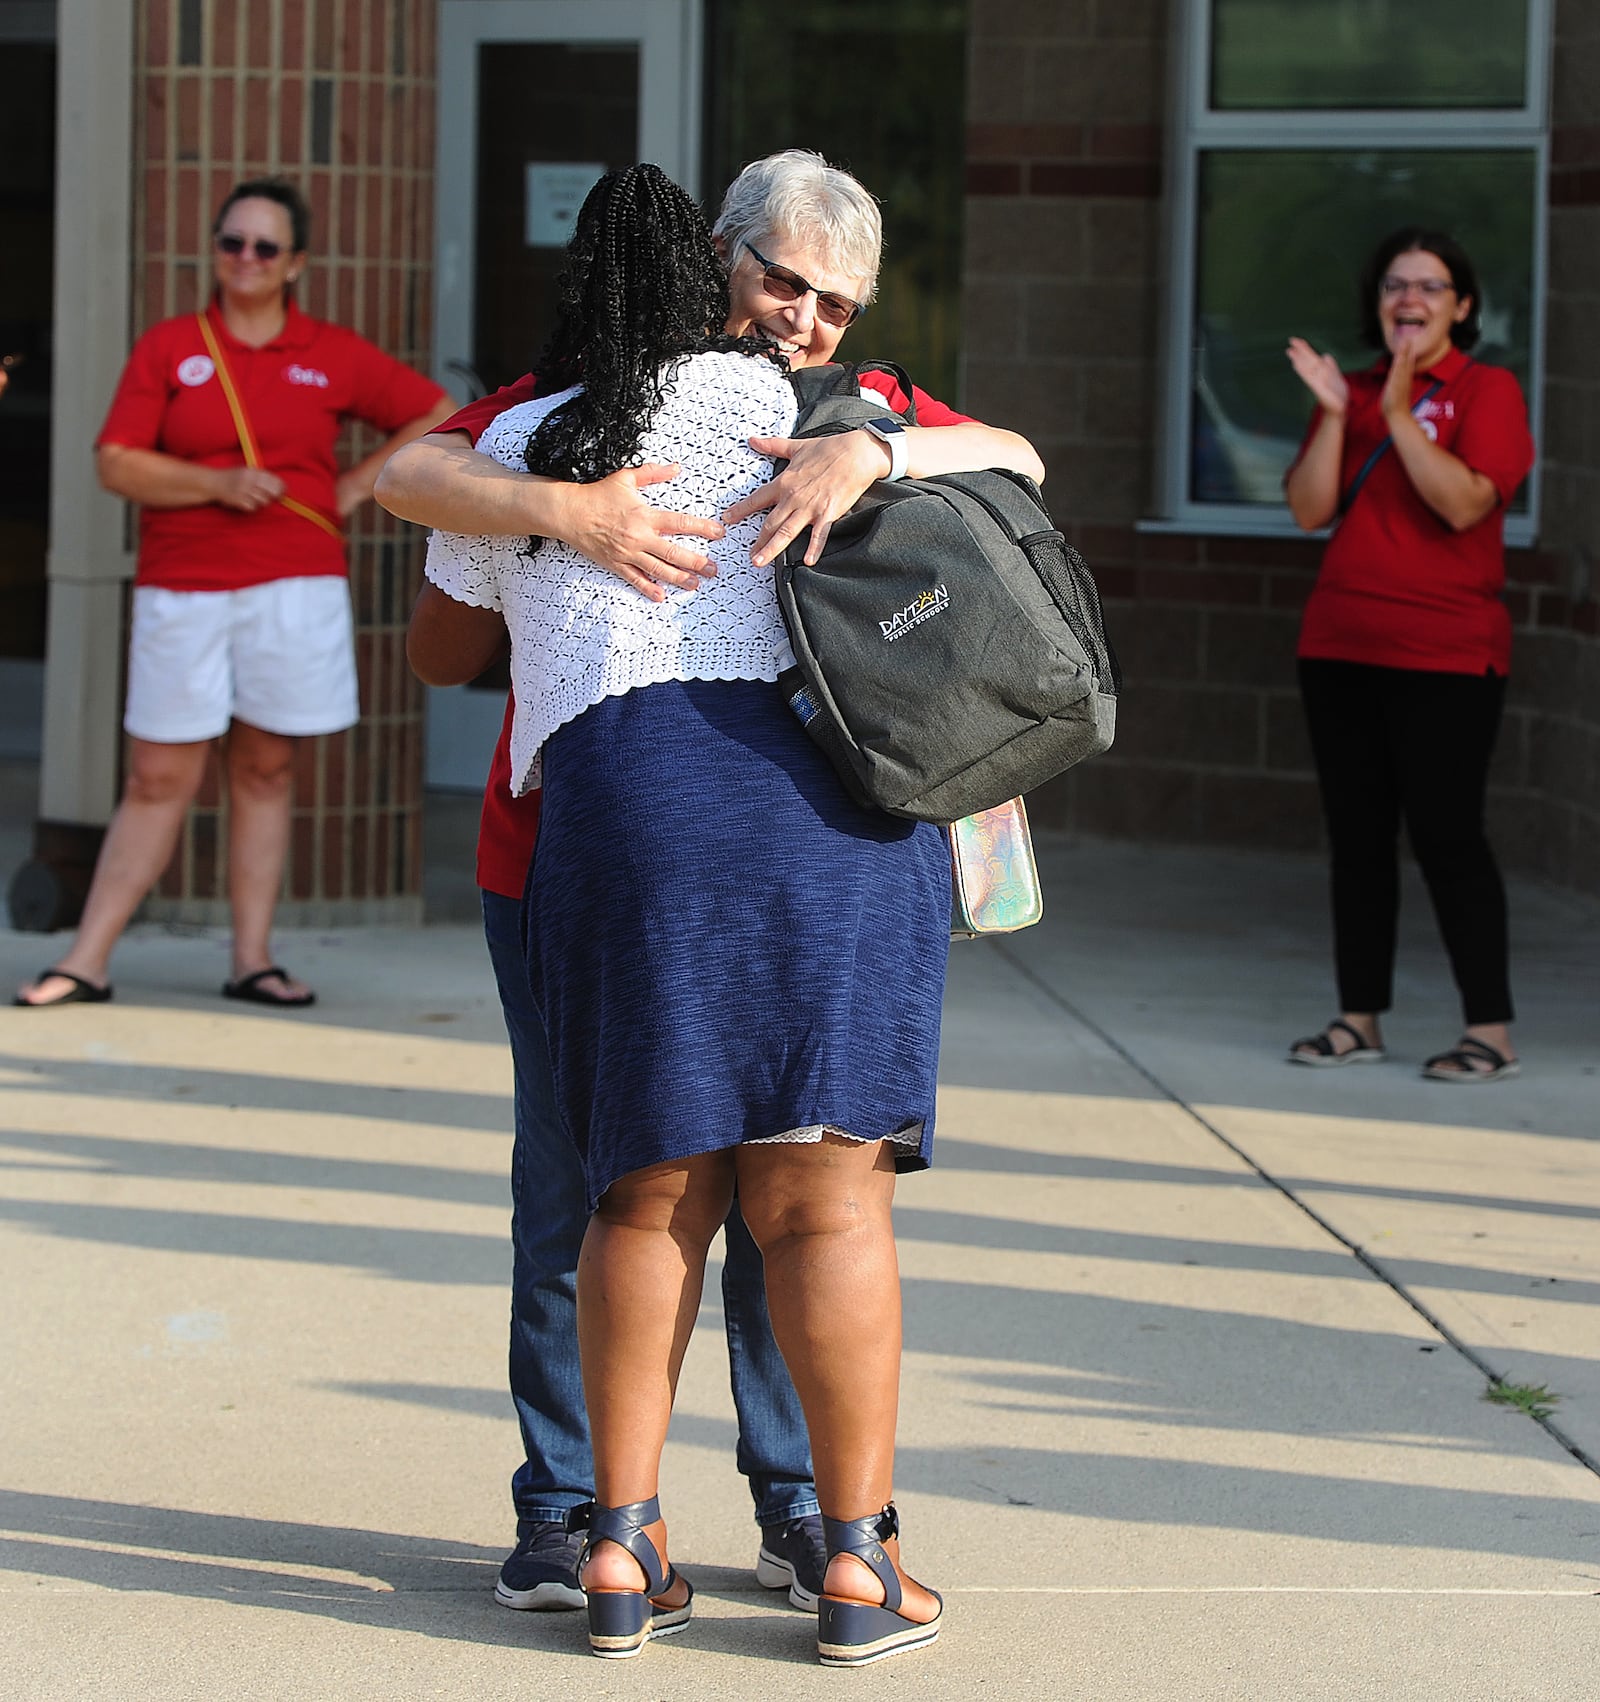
260 782
821 1216
161 784
639 1279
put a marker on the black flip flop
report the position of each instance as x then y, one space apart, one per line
249 989
81 992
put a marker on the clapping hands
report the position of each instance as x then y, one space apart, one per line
1396 398
1321 376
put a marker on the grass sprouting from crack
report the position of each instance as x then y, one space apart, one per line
1534 1399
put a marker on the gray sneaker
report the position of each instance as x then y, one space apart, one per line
541 1572
793 1556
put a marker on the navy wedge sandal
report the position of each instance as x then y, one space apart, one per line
621 1622
853 1634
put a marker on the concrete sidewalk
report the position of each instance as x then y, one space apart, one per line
1197 1343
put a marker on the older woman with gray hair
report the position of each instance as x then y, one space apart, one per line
812 271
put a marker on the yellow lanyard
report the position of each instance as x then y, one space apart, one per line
247 442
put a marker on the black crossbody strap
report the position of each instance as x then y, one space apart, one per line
1383 449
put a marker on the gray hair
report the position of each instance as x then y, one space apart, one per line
797 194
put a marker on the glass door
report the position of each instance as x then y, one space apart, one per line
537 99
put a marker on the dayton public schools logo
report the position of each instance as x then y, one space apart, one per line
921 608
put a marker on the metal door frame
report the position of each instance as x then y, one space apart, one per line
462 724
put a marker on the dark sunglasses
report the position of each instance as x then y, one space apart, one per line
229 243
784 285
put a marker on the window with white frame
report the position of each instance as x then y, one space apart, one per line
1304 132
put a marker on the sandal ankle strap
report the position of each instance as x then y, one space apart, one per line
625 1527
864 1538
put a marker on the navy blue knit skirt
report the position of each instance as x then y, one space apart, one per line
723 946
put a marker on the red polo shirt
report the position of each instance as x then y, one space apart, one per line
296 391
1398 588
507 826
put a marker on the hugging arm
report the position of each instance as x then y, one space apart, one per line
827 475
441 481
449 643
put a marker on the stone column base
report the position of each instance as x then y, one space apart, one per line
48 891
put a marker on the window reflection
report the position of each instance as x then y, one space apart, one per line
878 90
1380 54
1282 239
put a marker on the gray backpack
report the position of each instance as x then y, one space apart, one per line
950 644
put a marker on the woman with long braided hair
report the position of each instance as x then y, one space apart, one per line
739 970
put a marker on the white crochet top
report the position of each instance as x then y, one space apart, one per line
580 634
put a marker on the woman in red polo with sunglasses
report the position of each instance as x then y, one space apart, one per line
223 430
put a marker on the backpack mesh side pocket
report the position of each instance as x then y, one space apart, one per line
1065 574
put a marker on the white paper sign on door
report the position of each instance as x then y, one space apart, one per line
555 193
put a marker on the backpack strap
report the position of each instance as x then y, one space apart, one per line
899 375
839 381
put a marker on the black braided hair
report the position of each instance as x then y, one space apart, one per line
642 289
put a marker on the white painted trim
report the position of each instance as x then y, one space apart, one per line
88 560
1196 129
669 34
1245 520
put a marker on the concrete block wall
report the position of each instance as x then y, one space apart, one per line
1551 767
1063 287
337 95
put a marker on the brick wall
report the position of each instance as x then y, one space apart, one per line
1066 109
339 96
1550 770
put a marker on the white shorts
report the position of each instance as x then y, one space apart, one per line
280 656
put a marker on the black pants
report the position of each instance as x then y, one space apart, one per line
1395 744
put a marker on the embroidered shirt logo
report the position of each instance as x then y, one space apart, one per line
306 375
922 607
1428 411
195 370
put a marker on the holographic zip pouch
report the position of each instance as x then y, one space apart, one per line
994 880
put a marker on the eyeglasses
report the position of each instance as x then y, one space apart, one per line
1430 287
784 285
228 242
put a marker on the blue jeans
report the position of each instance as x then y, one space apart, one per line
548 1220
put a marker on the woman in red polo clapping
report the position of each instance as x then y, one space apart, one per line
1405 642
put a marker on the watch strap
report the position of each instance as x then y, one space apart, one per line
892 434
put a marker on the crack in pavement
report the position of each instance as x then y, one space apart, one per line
1354 1248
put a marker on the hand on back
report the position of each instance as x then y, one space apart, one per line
615 527
824 479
